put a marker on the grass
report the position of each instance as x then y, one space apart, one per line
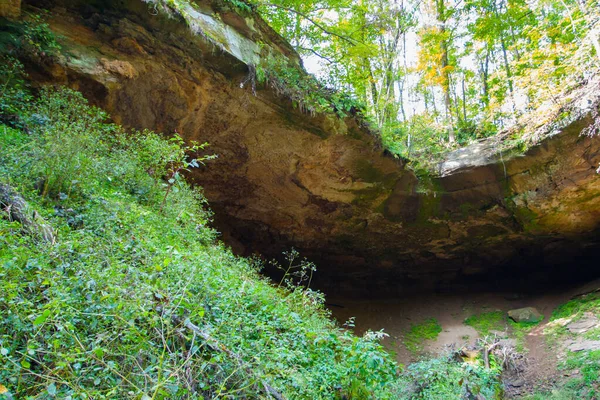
486 322
585 386
520 330
577 306
418 333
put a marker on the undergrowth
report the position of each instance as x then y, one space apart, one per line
106 312
447 378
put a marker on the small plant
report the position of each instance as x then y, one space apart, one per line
447 378
304 90
14 96
181 164
38 40
296 271
240 5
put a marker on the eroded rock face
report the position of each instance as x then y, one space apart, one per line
10 8
320 184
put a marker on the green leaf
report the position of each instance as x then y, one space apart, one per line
99 352
25 364
51 389
42 318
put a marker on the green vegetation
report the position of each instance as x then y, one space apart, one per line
447 378
583 366
418 333
519 331
575 307
586 385
137 299
488 321
439 74
431 76
305 91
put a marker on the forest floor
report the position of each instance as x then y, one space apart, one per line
541 353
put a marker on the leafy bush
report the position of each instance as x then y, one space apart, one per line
13 93
446 378
30 37
304 90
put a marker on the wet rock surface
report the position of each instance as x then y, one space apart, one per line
321 184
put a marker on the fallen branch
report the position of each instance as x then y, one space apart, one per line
486 354
217 346
17 209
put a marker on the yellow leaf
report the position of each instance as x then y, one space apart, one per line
3 389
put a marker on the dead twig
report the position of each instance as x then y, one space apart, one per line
486 353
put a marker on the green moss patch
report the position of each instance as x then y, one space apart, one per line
418 333
488 321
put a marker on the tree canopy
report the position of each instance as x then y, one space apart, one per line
437 74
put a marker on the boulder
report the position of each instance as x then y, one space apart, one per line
526 314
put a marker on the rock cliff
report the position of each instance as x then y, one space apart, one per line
319 183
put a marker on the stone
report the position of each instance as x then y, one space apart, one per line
587 322
584 345
526 314
517 383
10 8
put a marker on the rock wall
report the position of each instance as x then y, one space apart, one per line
10 8
318 183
